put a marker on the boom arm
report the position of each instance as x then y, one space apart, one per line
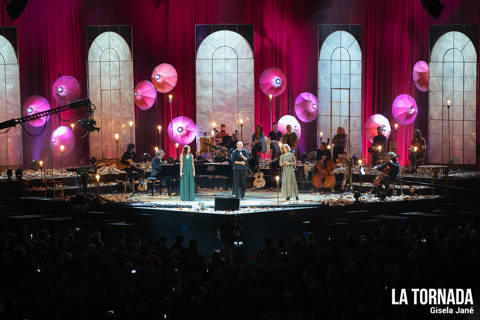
71 106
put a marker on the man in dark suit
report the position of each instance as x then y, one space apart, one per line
379 146
157 163
239 162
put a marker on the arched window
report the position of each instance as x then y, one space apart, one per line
11 153
340 88
110 88
225 83
452 130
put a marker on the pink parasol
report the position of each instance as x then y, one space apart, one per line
273 81
62 136
164 77
289 120
404 109
374 121
183 130
306 106
420 75
65 90
145 95
36 104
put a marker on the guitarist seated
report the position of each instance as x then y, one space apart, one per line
128 159
389 170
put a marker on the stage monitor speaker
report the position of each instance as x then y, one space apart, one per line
433 7
226 204
15 8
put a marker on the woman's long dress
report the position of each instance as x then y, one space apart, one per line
289 182
187 184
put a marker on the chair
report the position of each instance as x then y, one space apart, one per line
156 182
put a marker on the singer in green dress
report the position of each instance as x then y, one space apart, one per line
187 172
289 182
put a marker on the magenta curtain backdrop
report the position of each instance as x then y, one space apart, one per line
52 40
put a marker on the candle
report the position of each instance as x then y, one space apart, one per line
170 98
380 148
72 125
328 147
130 123
415 148
159 128
449 102
97 177
214 125
40 163
116 136
213 133
270 97
360 162
321 134
156 149
62 147
396 126
241 122
277 178
176 145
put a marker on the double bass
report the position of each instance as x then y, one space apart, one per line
324 178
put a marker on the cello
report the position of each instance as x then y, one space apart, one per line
324 178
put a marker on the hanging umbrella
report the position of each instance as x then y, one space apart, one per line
164 77
404 109
306 106
273 81
420 76
62 136
65 90
145 95
182 130
374 121
36 104
289 120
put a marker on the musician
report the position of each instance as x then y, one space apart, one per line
239 161
258 138
128 158
419 142
340 141
275 136
157 163
290 138
222 133
324 154
378 141
394 167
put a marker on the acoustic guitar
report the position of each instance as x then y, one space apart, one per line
259 181
123 166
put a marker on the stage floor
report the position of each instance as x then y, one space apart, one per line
256 201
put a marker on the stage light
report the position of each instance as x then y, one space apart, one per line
29 110
133 271
116 136
180 129
60 89
130 123
158 77
54 140
136 93
278 82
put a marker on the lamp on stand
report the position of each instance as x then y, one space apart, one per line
116 136
62 149
159 128
277 180
97 177
241 129
449 102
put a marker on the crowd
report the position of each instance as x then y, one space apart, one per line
78 274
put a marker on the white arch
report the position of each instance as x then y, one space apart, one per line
11 153
453 76
110 88
340 87
225 83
